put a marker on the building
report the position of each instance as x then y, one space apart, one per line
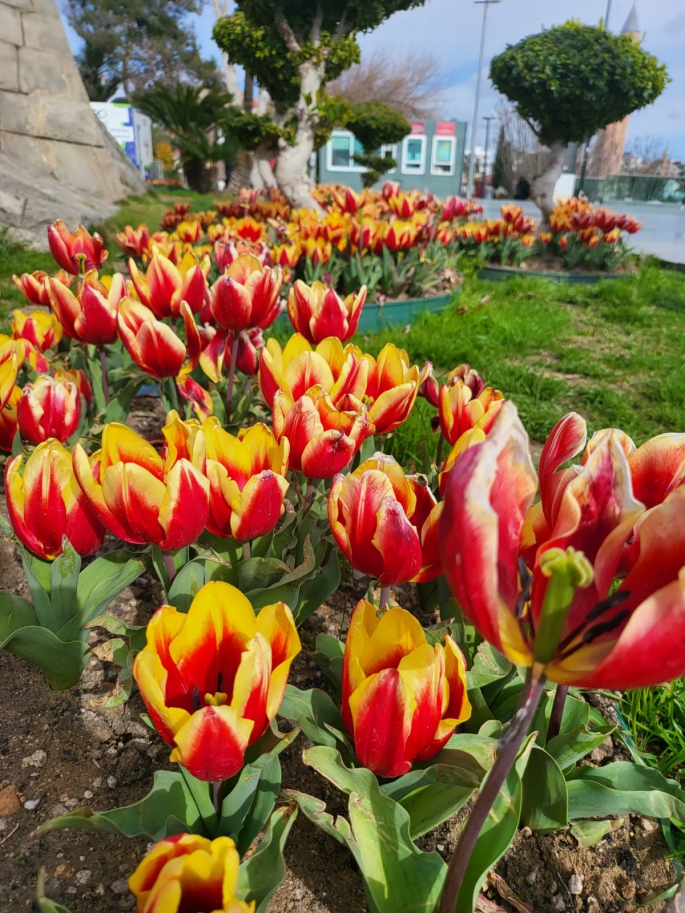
606 157
430 158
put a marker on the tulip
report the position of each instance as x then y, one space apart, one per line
317 311
195 394
35 286
249 229
48 408
189 232
400 236
346 200
402 696
390 189
227 251
404 205
185 872
385 522
78 251
22 350
286 255
247 480
45 503
429 388
139 496
454 208
78 377
246 295
214 678
324 436
250 343
38 328
392 389
90 316
135 241
317 251
153 345
9 372
466 404
8 420
164 286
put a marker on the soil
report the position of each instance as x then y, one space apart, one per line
62 750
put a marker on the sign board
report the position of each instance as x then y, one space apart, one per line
445 128
132 130
418 128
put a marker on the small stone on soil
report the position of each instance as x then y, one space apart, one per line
575 884
119 886
9 801
112 782
558 903
31 804
37 759
82 877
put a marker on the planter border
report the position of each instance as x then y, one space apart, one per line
503 273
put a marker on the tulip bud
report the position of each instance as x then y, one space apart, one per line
8 420
402 696
153 345
38 328
33 286
392 389
45 503
165 286
78 251
246 295
78 377
318 312
49 408
90 316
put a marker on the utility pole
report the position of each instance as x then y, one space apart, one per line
606 17
485 155
474 126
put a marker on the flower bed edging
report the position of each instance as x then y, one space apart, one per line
503 273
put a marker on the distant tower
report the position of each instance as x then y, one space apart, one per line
607 155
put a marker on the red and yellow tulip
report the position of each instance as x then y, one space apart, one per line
78 251
40 329
48 408
164 285
78 377
565 619
185 872
317 311
135 241
9 371
246 295
386 523
214 678
35 286
194 393
141 497
153 345
392 389
45 503
91 315
402 697
8 419
465 403
324 436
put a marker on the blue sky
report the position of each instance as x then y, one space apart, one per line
451 29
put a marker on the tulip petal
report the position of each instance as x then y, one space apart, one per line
398 543
185 506
154 681
277 624
211 744
92 490
382 710
257 509
423 673
251 685
657 468
135 497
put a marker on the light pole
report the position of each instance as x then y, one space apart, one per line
606 17
474 126
485 154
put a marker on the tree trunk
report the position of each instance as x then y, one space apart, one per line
291 166
542 188
261 175
200 177
248 93
240 176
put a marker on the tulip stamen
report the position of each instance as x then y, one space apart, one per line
609 603
523 597
591 634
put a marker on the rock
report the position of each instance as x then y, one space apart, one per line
9 801
31 805
37 759
127 903
593 905
575 884
120 886
648 826
82 877
58 810
72 890
71 803
558 903
111 753
96 726
97 782
112 782
88 794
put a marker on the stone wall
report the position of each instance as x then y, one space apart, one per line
56 160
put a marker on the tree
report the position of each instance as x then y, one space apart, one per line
409 84
570 81
292 48
374 125
138 43
100 82
196 120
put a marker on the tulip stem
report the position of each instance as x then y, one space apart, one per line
105 378
170 566
557 714
308 499
231 375
216 797
247 551
385 597
507 750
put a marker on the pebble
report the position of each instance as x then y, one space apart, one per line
593 905
71 803
37 759
558 903
96 726
97 782
648 826
58 810
9 800
72 890
441 848
575 884
88 794
82 877
111 753
526 832
31 804
112 782
119 886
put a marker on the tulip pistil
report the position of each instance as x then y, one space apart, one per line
216 700
568 570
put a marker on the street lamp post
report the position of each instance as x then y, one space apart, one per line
485 154
474 126
606 17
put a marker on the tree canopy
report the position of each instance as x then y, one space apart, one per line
375 124
572 80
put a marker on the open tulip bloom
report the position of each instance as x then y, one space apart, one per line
602 604
153 345
91 315
214 678
317 311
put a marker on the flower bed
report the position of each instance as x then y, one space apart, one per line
488 591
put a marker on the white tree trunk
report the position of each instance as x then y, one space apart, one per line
542 189
261 175
292 162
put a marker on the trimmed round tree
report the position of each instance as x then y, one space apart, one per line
374 125
570 81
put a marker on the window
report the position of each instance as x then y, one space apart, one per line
443 155
339 152
414 155
389 150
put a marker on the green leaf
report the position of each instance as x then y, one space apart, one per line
15 613
136 634
469 751
569 747
489 665
315 810
261 572
120 405
623 788
37 574
545 797
61 662
316 715
397 875
497 832
587 833
45 905
169 808
187 584
263 872
64 575
431 796
314 592
329 658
